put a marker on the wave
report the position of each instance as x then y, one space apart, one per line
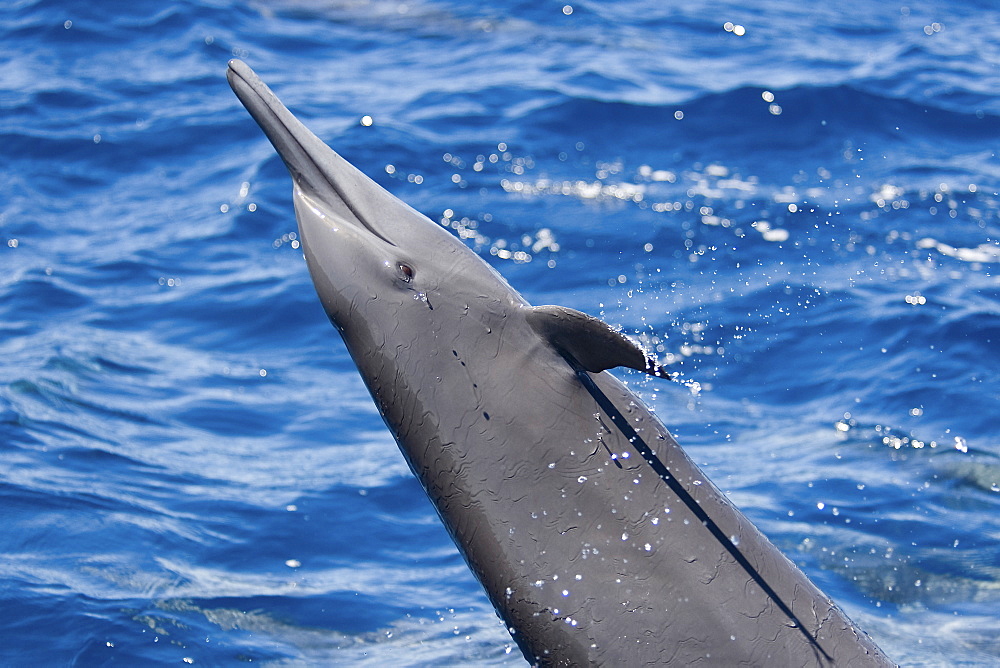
806 120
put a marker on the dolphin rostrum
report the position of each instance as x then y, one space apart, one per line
595 536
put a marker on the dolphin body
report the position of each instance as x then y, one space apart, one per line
595 536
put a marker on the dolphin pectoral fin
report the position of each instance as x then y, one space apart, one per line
589 343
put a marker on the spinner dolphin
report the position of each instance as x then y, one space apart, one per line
595 536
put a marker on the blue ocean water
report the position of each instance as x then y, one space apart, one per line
796 204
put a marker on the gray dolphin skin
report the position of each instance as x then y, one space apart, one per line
596 538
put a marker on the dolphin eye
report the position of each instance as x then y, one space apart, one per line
405 272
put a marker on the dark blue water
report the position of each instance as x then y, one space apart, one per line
795 203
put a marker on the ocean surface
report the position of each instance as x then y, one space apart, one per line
795 203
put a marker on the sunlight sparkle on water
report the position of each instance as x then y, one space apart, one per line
736 29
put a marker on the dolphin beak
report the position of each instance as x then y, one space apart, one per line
316 169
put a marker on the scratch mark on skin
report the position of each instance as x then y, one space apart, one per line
657 465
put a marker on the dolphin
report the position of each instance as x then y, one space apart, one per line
596 538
